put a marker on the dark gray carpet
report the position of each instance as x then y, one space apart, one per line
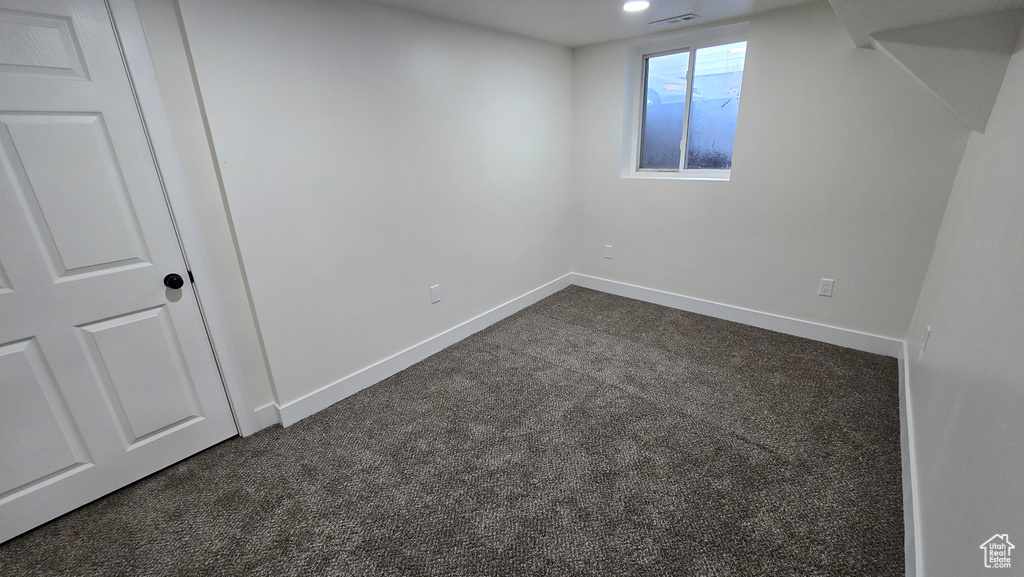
587 435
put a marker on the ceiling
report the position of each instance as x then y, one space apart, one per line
581 22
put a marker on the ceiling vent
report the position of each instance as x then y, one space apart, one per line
674 20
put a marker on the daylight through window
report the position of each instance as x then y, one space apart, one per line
688 118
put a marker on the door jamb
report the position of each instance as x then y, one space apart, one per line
142 77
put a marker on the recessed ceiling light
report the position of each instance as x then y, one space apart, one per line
635 5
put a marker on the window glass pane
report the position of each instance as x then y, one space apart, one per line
717 76
664 111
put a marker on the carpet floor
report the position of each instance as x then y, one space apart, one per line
588 434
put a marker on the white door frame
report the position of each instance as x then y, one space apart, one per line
142 77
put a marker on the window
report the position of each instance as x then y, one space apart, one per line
687 105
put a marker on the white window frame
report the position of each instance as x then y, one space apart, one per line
635 96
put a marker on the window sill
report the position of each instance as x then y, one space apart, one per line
682 175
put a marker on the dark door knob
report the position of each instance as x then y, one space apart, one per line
174 281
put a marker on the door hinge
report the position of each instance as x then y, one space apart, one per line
191 278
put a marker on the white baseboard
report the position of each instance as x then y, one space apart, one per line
834 335
327 396
911 508
267 416
321 399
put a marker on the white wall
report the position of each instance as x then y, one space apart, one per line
842 168
368 154
160 23
967 387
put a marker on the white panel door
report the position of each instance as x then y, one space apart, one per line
106 375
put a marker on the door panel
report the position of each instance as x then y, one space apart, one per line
30 401
139 360
5 285
107 376
38 44
68 176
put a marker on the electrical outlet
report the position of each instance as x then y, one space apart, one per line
435 293
607 251
825 288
